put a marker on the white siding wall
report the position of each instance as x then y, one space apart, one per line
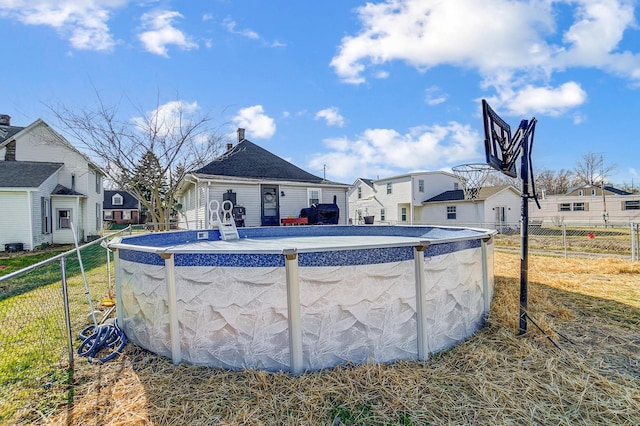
44 145
14 208
400 197
36 212
65 236
549 212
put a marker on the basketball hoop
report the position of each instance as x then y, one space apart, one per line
472 176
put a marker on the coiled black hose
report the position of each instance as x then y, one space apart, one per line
106 338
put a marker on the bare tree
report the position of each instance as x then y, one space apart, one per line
591 170
555 182
148 155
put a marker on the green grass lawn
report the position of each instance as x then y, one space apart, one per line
34 360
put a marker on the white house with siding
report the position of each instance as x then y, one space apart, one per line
397 199
495 207
587 205
265 187
45 185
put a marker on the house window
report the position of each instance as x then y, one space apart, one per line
593 192
126 215
421 185
108 215
388 188
581 192
456 186
45 215
73 181
451 212
117 200
359 192
314 196
564 207
579 207
403 214
631 205
383 216
98 183
64 219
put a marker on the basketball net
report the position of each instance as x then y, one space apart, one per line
472 177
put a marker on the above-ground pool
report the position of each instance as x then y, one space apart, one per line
303 297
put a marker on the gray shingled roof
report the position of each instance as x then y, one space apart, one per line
367 181
26 174
129 202
11 131
63 190
248 160
458 194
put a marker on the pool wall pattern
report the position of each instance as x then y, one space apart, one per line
381 305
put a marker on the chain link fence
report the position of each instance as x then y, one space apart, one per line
574 240
43 309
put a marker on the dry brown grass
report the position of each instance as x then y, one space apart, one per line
494 378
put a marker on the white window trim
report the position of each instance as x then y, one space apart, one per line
118 197
309 190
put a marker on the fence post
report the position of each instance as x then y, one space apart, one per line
67 313
564 239
634 241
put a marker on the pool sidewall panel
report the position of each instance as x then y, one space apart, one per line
358 314
454 301
234 318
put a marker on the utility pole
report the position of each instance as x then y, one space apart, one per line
605 215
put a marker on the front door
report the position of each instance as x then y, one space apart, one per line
501 218
270 205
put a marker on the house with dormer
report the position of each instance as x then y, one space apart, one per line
263 187
120 207
46 185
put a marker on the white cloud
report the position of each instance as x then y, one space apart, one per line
513 45
579 118
546 100
256 122
168 118
332 116
83 23
159 32
230 25
385 151
434 96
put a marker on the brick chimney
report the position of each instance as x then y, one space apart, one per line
229 146
5 120
240 134
10 151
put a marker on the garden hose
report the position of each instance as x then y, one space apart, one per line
106 338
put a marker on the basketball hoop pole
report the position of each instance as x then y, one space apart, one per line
502 153
524 233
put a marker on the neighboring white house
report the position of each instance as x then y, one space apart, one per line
397 199
45 185
586 205
496 207
263 187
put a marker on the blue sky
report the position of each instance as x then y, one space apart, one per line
347 88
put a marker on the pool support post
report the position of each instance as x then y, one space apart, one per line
172 301
421 298
485 276
293 310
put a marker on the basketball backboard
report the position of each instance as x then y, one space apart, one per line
498 144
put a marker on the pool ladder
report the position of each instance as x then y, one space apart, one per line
226 224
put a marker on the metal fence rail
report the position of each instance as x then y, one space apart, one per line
43 308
